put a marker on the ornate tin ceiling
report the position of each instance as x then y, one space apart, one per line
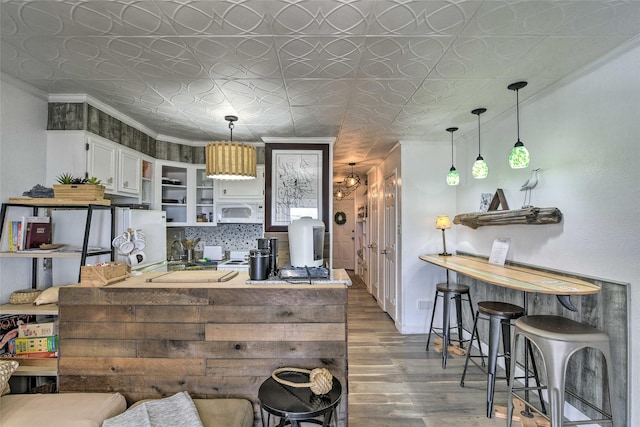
367 72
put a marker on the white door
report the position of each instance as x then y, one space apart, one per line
344 235
373 255
389 251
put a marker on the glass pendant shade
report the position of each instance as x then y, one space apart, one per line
519 157
479 170
453 177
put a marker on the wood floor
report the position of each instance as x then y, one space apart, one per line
393 381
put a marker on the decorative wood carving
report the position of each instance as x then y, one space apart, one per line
532 216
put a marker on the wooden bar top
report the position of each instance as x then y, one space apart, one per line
510 276
339 278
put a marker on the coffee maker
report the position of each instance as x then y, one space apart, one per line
270 246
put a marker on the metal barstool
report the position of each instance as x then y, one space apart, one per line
500 315
449 291
558 338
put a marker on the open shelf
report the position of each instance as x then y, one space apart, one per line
37 310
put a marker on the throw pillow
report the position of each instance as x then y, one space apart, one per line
49 295
7 367
175 411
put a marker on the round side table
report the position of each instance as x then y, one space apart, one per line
297 404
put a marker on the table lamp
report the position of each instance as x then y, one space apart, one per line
442 223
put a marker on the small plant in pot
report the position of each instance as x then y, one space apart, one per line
74 188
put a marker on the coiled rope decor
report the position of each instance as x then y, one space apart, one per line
320 379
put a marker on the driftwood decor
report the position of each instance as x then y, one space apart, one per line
530 215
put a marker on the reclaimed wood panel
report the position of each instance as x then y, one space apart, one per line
273 331
213 342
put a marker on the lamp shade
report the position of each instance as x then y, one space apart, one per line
519 157
229 160
479 170
443 222
453 177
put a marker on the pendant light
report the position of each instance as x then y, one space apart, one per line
340 194
226 160
519 157
480 170
453 177
352 180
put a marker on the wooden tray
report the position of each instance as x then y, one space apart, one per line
103 275
197 276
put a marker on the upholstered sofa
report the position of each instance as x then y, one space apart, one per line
60 410
91 409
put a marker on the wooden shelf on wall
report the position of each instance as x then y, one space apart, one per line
528 216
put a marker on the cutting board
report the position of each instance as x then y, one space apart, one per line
197 276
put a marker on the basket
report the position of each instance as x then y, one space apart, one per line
103 275
24 296
78 191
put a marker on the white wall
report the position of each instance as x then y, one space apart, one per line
23 120
425 195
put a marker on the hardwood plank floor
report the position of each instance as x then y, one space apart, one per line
394 381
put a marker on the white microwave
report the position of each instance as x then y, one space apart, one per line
239 213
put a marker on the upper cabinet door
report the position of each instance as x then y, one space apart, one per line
252 189
130 174
102 163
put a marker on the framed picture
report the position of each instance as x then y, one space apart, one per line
296 184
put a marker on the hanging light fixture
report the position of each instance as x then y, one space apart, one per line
519 157
453 177
340 194
480 170
352 180
226 160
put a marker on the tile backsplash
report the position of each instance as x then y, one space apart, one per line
241 237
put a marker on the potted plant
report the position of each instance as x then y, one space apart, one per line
73 188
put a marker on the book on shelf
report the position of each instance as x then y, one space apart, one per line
9 324
38 355
37 232
32 330
15 235
33 345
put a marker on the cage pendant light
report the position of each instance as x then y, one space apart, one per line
479 170
229 160
352 180
340 194
453 177
519 157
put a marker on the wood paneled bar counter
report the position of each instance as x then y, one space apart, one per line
213 339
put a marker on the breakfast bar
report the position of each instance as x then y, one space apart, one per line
599 303
513 277
147 339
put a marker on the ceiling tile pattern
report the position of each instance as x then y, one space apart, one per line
367 72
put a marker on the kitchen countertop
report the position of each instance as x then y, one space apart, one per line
339 278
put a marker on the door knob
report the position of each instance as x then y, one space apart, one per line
383 252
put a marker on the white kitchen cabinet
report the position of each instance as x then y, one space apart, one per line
251 189
185 193
84 154
204 212
102 162
129 171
